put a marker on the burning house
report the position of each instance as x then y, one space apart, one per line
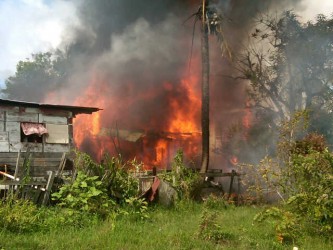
146 74
153 148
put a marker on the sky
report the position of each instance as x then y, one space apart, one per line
31 26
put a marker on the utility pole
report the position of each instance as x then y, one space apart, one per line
205 88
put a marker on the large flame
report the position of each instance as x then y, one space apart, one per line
184 119
160 140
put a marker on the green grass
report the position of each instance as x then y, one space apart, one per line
175 228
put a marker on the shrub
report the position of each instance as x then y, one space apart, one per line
261 181
184 179
212 231
101 189
18 215
216 203
305 175
86 194
136 208
287 225
115 174
312 189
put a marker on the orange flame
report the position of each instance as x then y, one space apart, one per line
234 160
160 150
184 119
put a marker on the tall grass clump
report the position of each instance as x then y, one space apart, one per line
19 215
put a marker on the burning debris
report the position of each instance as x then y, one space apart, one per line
155 149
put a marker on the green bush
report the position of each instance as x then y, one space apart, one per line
185 180
136 208
86 194
104 188
23 216
312 188
305 177
261 180
119 178
117 175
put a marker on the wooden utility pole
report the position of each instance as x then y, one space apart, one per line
205 89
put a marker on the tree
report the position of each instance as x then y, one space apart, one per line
290 67
211 23
36 77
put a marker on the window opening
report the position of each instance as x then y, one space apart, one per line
32 132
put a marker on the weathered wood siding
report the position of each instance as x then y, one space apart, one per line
21 117
4 142
58 120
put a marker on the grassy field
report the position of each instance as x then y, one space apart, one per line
176 228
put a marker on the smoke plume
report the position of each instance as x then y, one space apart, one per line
131 59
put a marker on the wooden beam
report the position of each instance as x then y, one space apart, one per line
48 188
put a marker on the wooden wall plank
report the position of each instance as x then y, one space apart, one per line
21 117
60 120
4 146
30 110
3 136
56 147
4 142
14 131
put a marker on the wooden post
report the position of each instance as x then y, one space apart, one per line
62 164
17 164
48 188
233 173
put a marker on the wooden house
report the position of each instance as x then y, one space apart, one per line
35 135
41 127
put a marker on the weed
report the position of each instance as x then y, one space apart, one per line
185 180
136 208
216 203
18 215
211 230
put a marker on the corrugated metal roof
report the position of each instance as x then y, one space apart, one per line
75 109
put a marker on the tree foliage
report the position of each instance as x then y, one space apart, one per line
290 67
36 77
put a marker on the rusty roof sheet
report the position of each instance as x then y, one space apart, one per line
75 109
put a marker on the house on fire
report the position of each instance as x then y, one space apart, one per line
42 131
154 148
